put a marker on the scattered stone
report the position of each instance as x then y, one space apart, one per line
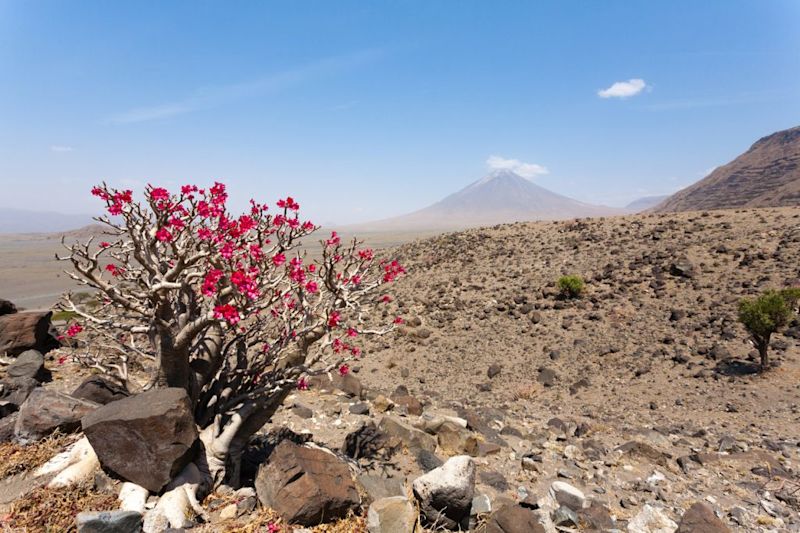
17 390
109 522
406 402
306 486
494 370
146 439
26 331
101 390
596 517
445 493
411 437
392 515
700 518
29 364
567 495
511 518
651 520
46 411
377 487
682 268
427 460
360 408
454 439
565 517
547 377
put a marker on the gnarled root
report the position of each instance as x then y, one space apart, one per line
75 464
179 502
132 497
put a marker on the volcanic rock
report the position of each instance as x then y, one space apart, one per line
306 486
146 439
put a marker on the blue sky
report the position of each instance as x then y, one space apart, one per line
363 110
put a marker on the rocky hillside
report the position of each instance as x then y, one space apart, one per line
498 407
767 175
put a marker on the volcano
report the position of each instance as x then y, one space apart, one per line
501 197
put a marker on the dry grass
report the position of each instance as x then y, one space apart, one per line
259 521
54 510
18 458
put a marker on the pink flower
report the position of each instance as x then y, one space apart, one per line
164 235
105 244
392 270
334 319
334 240
351 332
278 259
188 189
204 234
344 370
355 350
177 223
210 282
246 223
398 320
123 197
228 313
226 251
302 384
100 193
312 287
74 329
159 193
289 203
366 254
115 209
114 270
386 298
272 527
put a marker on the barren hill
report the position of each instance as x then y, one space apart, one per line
500 197
767 175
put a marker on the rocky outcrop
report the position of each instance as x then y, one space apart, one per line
26 331
146 439
391 515
306 486
700 518
46 411
29 364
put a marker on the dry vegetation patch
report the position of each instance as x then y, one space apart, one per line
54 510
18 458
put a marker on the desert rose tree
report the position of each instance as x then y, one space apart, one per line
228 308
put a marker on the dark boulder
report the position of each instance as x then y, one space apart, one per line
29 364
17 390
27 331
146 439
306 486
46 411
7 307
100 390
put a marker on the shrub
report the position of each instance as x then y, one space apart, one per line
766 315
227 307
571 286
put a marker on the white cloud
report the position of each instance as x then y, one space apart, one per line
61 148
526 170
623 89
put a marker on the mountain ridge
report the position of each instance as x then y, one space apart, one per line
766 175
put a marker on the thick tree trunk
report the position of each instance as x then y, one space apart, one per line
225 441
764 355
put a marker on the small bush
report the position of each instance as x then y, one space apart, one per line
571 286
766 315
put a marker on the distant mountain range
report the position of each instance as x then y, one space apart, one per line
500 197
644 203
25 221
767 175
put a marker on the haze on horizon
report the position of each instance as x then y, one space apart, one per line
364 111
